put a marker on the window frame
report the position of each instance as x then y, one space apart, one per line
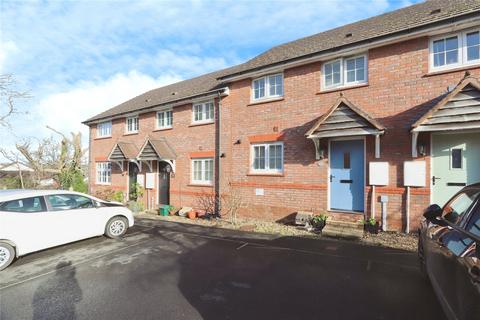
267 169
108 180
203 112
343 72
267 95
164 112
100 129
127 128
462 50
202 181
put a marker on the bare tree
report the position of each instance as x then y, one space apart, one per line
8 98
61 160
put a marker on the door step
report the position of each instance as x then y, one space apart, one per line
343 229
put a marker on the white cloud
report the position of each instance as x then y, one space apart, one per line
64 111
7 49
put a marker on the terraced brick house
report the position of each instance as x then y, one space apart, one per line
300 126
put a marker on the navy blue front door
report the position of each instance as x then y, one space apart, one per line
347 175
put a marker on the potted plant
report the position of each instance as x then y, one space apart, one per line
192 214
319 221
172 210
371 225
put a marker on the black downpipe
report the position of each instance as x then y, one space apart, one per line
217 209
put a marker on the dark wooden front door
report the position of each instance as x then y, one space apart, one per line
164 170
132 181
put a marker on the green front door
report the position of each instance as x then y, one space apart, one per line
455 163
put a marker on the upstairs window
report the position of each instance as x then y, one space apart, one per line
455 50
104 129
267 158
445 51
345 72
268 87
203 112
132 124
164 119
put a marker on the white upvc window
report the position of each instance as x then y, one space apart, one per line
267 158
203 112
345 72
132 124
202 171
270 86
104 129
164 119
104 173
455 50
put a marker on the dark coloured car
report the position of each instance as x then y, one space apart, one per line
449 252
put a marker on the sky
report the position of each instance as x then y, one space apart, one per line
79 58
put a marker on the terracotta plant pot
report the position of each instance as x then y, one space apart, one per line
192 214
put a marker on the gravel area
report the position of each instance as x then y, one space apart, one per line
388 239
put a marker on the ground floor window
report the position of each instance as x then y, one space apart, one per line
202 171
104 172
267 158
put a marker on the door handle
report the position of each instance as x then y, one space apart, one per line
435 179
331 177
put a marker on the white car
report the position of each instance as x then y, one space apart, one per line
33 220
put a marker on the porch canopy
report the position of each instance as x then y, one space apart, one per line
123 151
458 110
157 149
345 119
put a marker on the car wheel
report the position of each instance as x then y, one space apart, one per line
116 227
7 254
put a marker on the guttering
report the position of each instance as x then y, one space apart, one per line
223 91
467 20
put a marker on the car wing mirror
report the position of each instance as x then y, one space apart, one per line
432 213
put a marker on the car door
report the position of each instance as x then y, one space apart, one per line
72 216
23 221
446 245
467 270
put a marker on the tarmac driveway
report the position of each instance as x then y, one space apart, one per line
164 270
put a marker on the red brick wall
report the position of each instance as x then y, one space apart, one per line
399 91
185 139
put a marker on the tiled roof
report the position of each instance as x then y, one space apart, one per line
385 25
404 19
171 93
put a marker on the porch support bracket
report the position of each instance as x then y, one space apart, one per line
414 144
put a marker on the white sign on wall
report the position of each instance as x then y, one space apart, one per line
259 192
378 173
414 173
141 180
150 181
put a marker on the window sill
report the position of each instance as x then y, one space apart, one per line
101 138
451 70
163 129
103 184
265 174
342 88
130 133
192 184
267 100
196 124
